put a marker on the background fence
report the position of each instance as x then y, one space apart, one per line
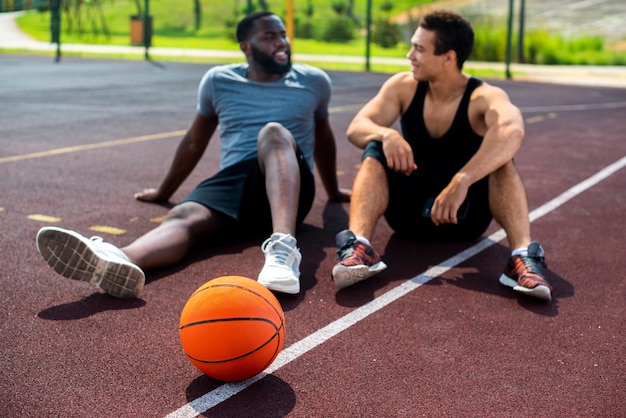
542 31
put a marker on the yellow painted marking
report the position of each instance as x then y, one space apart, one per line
107 229
536 119
126 141
552 115
1 209
158 219
86 147
43 218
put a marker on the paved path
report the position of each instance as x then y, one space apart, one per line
601 76
10 33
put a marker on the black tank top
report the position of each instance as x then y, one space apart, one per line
451 151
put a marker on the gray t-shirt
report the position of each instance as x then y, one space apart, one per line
243 107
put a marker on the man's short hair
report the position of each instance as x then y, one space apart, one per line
452 32
246 24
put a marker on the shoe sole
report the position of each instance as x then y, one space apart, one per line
539 291
345 276
69 255
291 289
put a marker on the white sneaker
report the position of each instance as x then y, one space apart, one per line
90 260
281 271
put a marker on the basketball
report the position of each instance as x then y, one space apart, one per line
232 328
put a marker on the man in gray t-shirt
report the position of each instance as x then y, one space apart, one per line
296 101
273 122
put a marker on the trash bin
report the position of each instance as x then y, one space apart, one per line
137 30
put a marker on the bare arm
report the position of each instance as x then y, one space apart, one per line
373 121
326 161
502 125
188 153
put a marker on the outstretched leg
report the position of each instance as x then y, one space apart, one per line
119 271
169 242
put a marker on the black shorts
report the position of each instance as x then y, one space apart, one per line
239 193
410 197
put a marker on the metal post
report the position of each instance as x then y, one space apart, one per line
291 32
368 33
147 28
55 27
520 37
509 41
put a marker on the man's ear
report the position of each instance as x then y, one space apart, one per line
451 57
245 47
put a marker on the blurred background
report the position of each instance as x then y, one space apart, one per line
549 32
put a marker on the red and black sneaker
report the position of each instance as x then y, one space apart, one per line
357 261
524 273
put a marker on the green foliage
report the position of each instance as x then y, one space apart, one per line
386 6
542 47
305 30
339 29
340 7
489 44
386 34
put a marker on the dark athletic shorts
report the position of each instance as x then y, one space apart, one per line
239 193
410 198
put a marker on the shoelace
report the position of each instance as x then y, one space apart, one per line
533 264
280 252
280 255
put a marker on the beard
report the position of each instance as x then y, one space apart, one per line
269 64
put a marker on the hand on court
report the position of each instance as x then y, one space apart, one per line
398 153
149 195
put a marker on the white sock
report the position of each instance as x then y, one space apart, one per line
520 251
283 236
363 240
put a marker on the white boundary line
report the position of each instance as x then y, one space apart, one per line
574 107
296 350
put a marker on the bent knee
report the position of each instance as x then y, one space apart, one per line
274 134
272 128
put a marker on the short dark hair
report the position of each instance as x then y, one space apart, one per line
246 24
452 32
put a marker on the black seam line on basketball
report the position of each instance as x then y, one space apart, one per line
209 321
277 334
239 287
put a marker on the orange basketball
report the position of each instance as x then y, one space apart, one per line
232 328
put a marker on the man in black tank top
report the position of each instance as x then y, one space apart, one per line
450 171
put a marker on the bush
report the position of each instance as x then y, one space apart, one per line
489 44
305 30
386 34
339 29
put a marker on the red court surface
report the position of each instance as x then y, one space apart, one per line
433 335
